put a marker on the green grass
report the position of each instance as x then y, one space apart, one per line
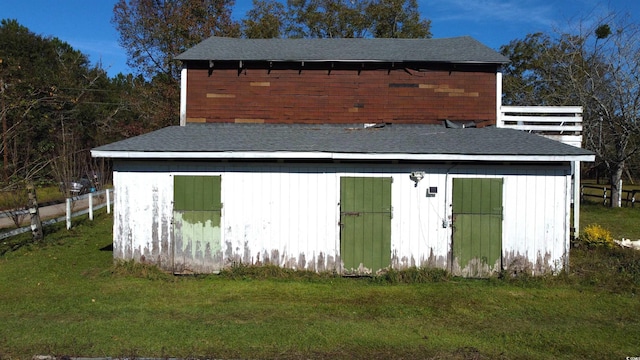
65 296
49 193
622 222
19 198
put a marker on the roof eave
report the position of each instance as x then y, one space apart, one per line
288 155
466 62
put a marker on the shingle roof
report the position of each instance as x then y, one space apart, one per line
449 50
310 138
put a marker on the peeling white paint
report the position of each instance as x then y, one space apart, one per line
475 268
198 236
288 214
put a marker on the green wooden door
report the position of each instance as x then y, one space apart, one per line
477 226
365 220
196 224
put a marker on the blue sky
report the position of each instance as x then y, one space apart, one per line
86 24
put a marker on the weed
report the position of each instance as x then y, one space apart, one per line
614 270
131 268
242 271
412 275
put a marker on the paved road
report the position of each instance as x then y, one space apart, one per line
52 211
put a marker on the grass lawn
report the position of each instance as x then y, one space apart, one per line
18 198
622 221
66 297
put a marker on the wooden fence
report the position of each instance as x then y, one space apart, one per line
69 213
604 193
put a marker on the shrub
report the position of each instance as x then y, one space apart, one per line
595 235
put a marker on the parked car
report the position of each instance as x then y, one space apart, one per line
78 187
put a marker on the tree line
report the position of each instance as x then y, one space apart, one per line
55 105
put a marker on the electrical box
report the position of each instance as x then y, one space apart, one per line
432 191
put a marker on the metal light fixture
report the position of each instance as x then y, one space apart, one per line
416 176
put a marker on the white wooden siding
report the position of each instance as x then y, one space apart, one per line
142 221
288 214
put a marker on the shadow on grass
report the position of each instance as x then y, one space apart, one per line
55 233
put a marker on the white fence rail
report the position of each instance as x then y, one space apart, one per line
562 123
69 213
90 208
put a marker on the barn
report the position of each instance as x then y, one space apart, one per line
356 193
349 199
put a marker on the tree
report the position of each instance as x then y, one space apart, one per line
597 67
153 32
326 19
266 20
336 19
23 75
611 73
397 19
52 103
531 77
43 80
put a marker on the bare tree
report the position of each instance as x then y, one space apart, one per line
596 66
606 78
13 202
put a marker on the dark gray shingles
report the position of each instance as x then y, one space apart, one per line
450 50
391 139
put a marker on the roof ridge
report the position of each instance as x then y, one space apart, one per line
461 49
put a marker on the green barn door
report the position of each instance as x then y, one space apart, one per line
365 221
196 224
477 226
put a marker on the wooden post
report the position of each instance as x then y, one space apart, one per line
36 223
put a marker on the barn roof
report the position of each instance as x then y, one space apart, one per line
447 50
310 141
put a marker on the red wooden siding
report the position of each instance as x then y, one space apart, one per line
340 96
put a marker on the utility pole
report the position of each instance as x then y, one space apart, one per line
3 113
